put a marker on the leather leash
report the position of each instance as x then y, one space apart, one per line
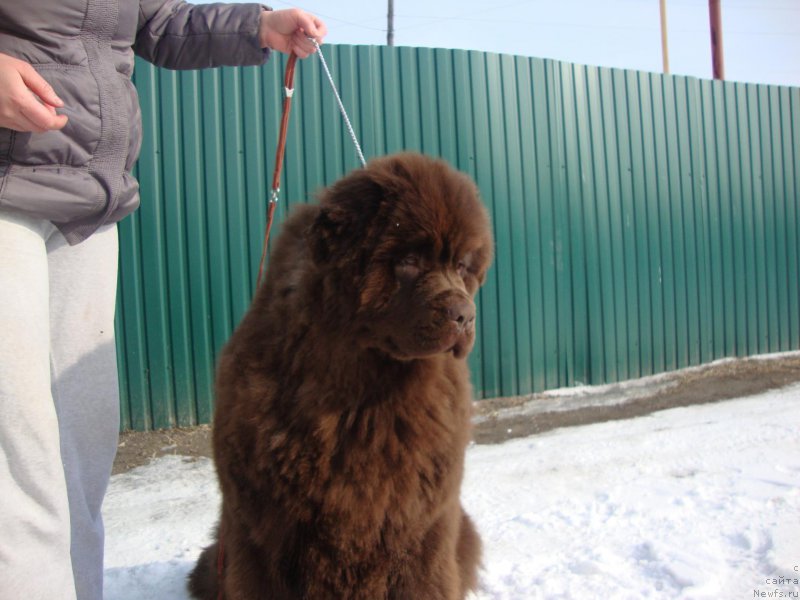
288 88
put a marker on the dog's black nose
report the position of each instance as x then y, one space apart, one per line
462 311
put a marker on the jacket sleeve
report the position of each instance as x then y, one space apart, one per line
177 35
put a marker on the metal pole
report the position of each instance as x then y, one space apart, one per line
664 46
390 31
715 16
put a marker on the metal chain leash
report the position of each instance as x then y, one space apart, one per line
339 101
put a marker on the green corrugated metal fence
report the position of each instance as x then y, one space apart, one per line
643 222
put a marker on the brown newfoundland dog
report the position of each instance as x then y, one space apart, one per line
343 398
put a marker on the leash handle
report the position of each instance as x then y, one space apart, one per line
288 89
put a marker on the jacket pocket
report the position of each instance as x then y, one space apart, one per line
58 194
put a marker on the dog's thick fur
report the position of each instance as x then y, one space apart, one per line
343 398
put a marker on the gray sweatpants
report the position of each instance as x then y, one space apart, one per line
59 408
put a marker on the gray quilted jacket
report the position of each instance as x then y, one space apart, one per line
79 177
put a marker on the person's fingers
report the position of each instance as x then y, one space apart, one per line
37 84
314 27
22 124
31 116
301 45
300 52
57 121
288 31
43 117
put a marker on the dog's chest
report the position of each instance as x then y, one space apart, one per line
394 463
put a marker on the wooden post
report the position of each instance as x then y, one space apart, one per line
715 16
664 46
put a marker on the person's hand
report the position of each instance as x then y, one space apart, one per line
287 31
27 102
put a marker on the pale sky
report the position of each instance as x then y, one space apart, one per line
761 38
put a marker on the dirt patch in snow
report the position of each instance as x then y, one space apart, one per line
502 419
505 418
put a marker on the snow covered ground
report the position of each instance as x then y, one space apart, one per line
700 502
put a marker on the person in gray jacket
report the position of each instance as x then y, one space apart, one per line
69 136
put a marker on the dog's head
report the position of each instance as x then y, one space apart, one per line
410 243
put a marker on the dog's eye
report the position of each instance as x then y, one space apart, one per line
462 269
411 260
409 267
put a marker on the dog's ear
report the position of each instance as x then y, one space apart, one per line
347 211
